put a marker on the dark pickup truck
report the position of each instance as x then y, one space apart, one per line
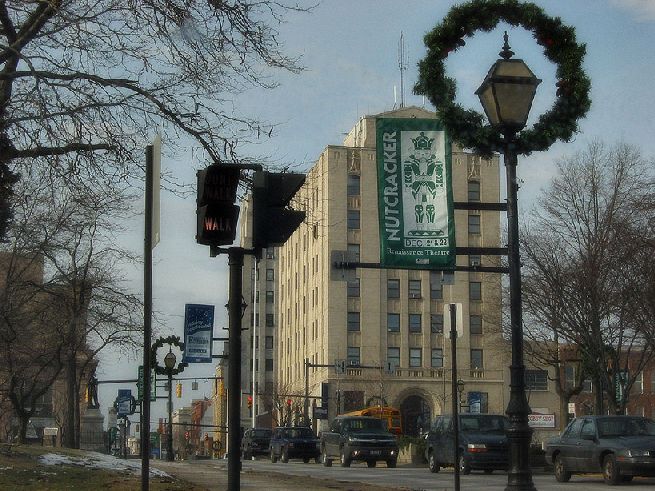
358 438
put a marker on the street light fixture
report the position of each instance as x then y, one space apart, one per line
169 362
506 95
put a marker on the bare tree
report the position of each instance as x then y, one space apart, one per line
84 82
575 258
71 226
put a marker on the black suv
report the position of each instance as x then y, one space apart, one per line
482 443
255 441
294 443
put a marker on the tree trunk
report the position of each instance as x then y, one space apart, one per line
71 396
23 421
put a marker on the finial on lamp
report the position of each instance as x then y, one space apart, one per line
506 52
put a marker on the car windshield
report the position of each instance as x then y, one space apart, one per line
356 425
299 433
261 433
612 427
483 424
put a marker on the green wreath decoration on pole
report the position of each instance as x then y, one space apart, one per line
173 341
467 126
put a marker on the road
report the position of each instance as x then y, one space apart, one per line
280 476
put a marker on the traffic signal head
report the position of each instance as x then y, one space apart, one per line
273 220
178 390
289 402
249 401
216 212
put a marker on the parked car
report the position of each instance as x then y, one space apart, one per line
358 438
255 441
620 447
482 443
294 443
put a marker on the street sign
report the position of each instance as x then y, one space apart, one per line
153 385
320 412
125 403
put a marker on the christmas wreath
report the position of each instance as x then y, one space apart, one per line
170 340
467 126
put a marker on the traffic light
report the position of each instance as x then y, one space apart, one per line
216 212
178 390
289 403
273 220
249 402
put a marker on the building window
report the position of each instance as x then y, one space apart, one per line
474 224
475 324
414 290
270 253
353 219
393 322
436 323
476 359
393 356
393 288
587 386
270 296
269 364
414 322
353 321
353 251
437 358
436 286
474 190
353 356
475 260
270 274
353 288
536 379
269 342
353 185
415 358
270 320
569 376
639 383
475 290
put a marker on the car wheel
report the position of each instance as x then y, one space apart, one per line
285 455
561 474
391 463
345 459
611 473
305 460
464 466
627 478
371 463
273 457
326 461
432 463
488 471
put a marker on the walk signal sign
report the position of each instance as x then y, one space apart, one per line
216 212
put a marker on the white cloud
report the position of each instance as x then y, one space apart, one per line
643 10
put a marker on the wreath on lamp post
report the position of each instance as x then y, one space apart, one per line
560 47
172 341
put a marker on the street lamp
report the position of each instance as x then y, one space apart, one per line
169 363
506 95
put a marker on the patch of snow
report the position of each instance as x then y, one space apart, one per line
96 460
6 468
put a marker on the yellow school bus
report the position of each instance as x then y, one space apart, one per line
390 414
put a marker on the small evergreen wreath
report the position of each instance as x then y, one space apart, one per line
467 126
173 341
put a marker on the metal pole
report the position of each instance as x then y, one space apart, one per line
169 441
306 403
235 262
453 375
147 323
519 434
255 313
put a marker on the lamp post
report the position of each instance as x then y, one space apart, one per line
506 95
460 390
169 363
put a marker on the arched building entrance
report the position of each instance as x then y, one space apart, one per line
416 415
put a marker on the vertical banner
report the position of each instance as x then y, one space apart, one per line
415 195
198 332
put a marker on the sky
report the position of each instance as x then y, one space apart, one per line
349 49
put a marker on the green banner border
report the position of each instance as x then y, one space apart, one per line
407 259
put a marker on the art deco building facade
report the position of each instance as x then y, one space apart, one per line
385 316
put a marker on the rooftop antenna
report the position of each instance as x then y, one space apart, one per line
402 66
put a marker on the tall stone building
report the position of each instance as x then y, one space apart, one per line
377 318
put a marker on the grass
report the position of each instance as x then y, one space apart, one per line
20 469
